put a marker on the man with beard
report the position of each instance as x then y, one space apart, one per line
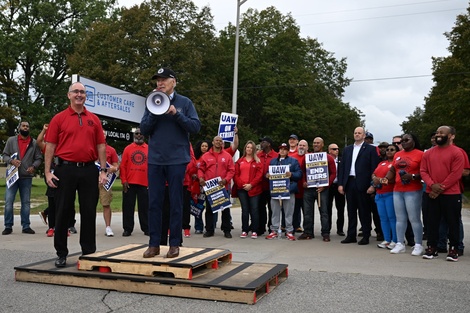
441 170
217 163
22 152
134 184
302 148
312 194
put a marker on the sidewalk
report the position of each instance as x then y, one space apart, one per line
326 277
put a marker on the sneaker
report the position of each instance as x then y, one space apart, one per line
254 235
391 245
418 250
430 253
28 231
198 232
290 236
244 235
186 233
43 217
72 230
383 244
109 232
208 234
50 232
399 248
271 235
453 256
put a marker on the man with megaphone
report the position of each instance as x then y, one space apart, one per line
168 154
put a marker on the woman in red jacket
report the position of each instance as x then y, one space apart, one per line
247 179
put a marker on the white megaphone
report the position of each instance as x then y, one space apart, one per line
157 102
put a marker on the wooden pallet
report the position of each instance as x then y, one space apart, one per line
191 263
234 282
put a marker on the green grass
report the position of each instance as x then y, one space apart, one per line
39 199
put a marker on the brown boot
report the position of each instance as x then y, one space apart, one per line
151 252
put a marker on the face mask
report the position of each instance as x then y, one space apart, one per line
441 140
24 133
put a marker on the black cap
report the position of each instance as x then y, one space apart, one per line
369 135
165 73
267 139
294 136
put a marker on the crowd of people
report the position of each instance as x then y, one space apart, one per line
408 194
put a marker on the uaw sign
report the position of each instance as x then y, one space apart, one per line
316 165
227 124
112 102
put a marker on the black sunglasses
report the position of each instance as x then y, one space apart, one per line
405 140
334 149
391 150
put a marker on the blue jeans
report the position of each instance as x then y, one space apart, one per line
24 185
388 219
408 206
310 195
249 209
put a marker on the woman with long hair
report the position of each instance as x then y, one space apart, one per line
200 148
247 181
407 193
384 198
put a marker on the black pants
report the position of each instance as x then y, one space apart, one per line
339 202
186 208
450 208
226 217
139 193
358 201
83 180
264 215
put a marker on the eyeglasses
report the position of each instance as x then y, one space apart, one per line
392 150
397 142
78 91
405 140
334 149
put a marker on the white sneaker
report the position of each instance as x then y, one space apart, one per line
383 244
391 245
399 248
418 250
109 232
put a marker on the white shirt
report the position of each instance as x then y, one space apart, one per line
357 148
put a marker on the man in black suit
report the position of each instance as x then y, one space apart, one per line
354 176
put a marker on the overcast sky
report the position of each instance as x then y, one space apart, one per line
387 44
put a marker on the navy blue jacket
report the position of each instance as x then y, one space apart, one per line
169 134
294 168
366 163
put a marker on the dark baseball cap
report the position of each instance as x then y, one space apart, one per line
369 135
165 73
284 146
267 139
294 136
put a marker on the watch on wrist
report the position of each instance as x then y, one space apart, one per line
104 169
413 176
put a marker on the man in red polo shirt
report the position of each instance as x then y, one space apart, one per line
75 137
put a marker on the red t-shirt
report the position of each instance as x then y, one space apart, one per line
76 135
134 164
409 161
111 155
382 170
23 145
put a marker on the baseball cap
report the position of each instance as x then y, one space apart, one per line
267 139
294 136
165 73
383 144
369 135
283 146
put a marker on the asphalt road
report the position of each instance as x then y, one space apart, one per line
323 277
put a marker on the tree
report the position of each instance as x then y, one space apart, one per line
447 102
35 37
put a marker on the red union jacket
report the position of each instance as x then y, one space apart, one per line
255 177
213 164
